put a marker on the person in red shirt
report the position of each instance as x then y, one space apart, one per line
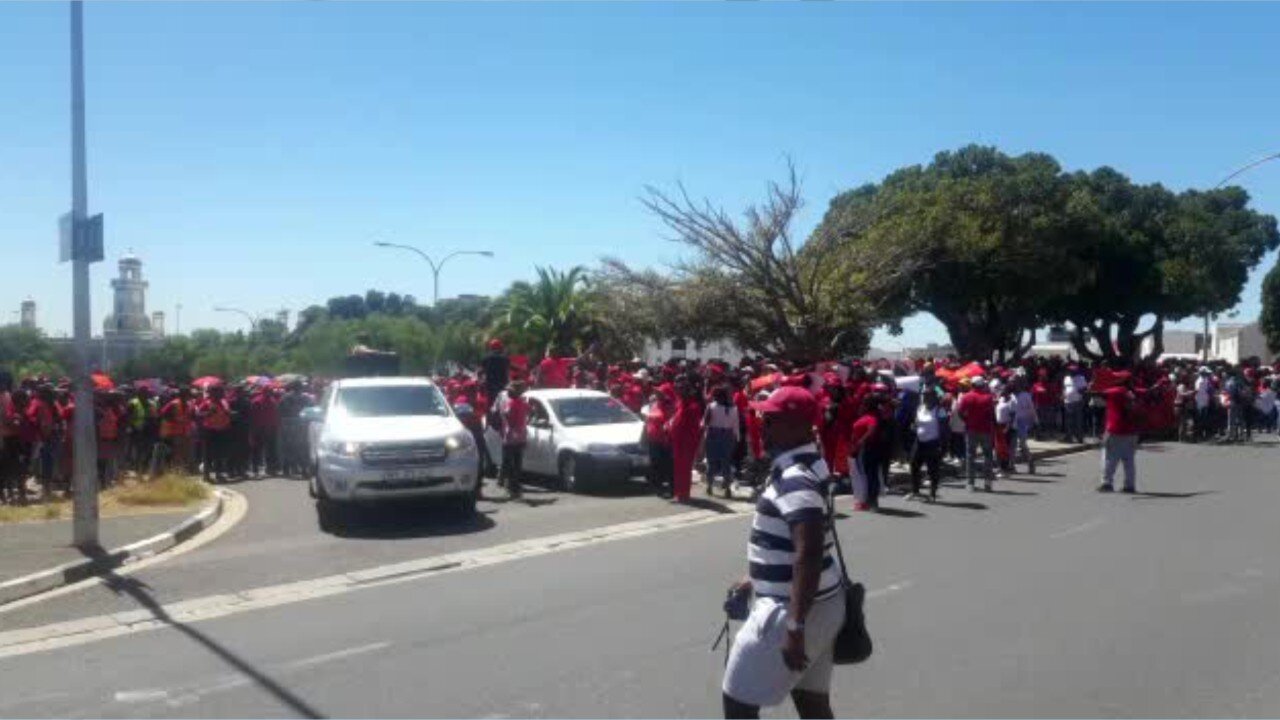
108 415
686 433
514 409
1120 443
868 445
175 433
41 427
838 418
553 372
215 426
264 432
10 444
978 410
657 437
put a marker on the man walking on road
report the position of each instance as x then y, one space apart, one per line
978 409
787 643
1120 444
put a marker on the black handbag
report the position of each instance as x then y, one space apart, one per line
853 643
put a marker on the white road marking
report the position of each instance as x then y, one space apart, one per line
337 655
141 696
1085 527
1222 592
889 589
77 632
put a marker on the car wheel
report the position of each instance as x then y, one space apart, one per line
330 515
466 504
569 481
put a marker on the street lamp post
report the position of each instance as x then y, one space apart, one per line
253 321
85 498
435 267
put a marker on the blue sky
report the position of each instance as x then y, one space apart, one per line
251 152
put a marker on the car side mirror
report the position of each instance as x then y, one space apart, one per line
311 414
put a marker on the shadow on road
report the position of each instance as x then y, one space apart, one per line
1170 495
960 505
138 591
899 513
709 504
1029 479
406 522
1010 492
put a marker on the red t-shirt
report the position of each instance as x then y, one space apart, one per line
864 431
655 425
978 410
554 372
39 426
1121 419
515 420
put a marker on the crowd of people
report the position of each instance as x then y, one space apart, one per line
976 417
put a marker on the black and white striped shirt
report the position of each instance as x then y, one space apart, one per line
794 495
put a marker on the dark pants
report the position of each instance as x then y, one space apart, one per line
871 463
660 467
293 448
215 453
263 441
928 454
12 476
512 463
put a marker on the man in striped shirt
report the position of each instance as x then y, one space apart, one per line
786 644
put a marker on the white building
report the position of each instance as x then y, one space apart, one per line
656 353
28 314
1177 343
1234 342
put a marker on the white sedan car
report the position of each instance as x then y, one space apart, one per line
580 437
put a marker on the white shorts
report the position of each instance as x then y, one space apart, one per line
756 673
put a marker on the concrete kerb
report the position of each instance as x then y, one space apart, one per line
74 572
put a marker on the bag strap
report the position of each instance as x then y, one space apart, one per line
835 537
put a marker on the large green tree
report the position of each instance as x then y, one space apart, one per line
26 352
1145 255
1269 319
976 239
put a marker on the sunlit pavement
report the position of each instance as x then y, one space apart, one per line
1041 599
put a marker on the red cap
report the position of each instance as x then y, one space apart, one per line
791 403
495 344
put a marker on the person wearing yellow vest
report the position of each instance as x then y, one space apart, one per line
215 429
175 433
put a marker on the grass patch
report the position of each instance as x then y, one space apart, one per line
169 490
132 497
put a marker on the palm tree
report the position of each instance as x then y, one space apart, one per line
552 314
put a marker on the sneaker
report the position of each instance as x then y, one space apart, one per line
1129 490
913 497
861 507
1105 488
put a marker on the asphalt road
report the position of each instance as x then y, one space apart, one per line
280 540
1044 599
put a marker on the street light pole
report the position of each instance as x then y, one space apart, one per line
253 321
435 267
85 498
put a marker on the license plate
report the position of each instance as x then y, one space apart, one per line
394 475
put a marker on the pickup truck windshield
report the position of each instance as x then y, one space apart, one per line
576 412
391 401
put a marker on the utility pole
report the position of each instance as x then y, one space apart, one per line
85 505
177 330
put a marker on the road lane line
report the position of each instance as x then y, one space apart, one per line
889 589
141 696
337 655
1084 527
66 634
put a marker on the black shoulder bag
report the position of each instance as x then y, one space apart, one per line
853 644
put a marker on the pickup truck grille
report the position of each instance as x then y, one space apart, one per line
631 449
411 454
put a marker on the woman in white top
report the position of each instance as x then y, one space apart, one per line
722 429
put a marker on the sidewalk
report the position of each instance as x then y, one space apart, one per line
35 546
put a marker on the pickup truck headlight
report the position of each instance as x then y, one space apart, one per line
343 449
461 441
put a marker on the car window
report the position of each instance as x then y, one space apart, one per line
390 401
538 413
576 412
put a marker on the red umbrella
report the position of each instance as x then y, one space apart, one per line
206 382
102 382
